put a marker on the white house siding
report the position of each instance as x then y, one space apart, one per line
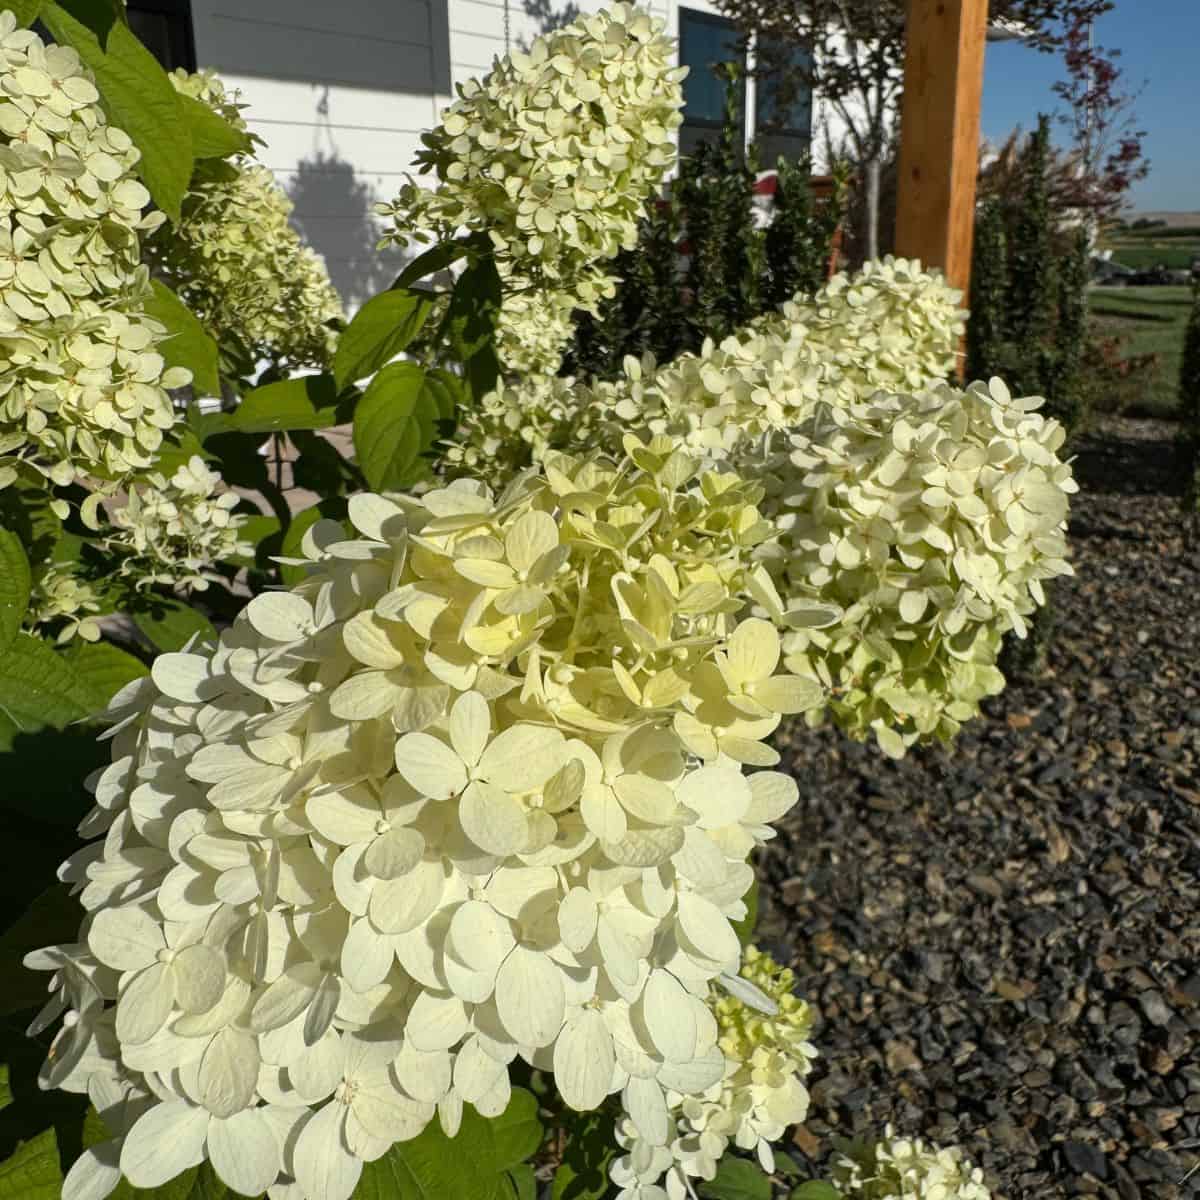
340 94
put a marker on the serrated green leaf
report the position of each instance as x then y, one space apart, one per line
516 1132
524 1182
396 420
139 98
378 332
583 1172
310 402
189 344
476 1164
745 927
101 670
6 1096
212 135
170 623
437 258
32 1172
37 686
816 1189
26 11
333 509
15 583
737 1179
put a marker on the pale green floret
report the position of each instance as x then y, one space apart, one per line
906 1169
760 1094
237 262
174 531
82 385
63 604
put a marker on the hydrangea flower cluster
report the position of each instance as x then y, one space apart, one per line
767 1055
554 153
906 1169
891 326
927 524
533 331
63 602
173 531
237 262
82 385
473 790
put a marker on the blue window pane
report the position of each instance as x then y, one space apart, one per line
773 111
705 41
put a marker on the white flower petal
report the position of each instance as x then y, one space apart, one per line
163 1143
530 997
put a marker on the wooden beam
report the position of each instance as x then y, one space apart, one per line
939 134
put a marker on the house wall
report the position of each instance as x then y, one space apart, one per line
340 93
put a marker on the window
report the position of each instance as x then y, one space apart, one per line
165 28
704 42
783 127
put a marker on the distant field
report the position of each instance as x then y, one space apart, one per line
1153 319
1172 247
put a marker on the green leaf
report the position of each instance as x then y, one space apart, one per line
177 451
516 1132
102 670
470 324
33 1173
6 1096
26 11
465 1167
139 98
378 332
14 586
745 927
333 509
98 15
395 421
583 1172
524 1182
169 623
37 687
212 135
189 344
737 1179
437 258
816 1189
310 402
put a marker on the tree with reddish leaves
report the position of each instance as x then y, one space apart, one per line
852 53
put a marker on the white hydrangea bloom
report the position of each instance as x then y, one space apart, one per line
553 155
759 1095
237 262
61 600
889 327
81 380
924 526
475 790
900 1168
173 531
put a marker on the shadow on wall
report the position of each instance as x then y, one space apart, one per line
548 17
334 214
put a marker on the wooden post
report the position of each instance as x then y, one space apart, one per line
939 134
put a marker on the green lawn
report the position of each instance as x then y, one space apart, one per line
1153 319
1145 248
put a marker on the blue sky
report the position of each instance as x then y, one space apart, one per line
1160 40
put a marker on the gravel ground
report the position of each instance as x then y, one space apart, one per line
1003 939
